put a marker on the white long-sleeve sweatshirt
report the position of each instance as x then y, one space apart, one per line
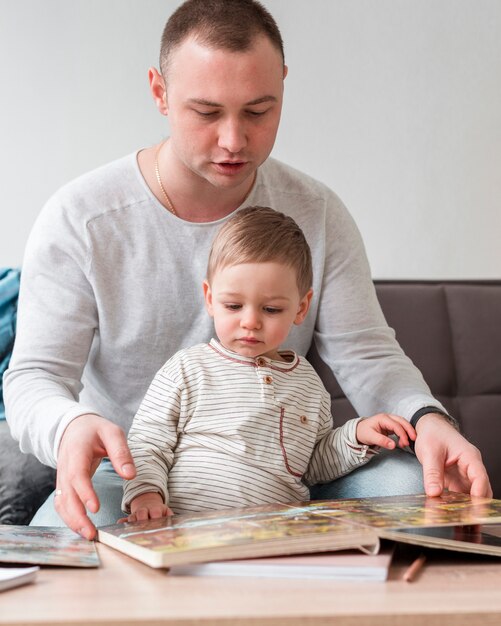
111 287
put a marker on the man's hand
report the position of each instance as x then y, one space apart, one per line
374 431
86 440
448 459
147 506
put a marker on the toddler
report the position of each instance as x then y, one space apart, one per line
240 421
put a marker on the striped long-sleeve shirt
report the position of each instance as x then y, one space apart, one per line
218 430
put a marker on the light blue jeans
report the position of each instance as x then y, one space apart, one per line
392 473
108 486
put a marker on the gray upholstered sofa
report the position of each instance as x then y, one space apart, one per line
451 330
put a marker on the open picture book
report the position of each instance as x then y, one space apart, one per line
452 521
46 545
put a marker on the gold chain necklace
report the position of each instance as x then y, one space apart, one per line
170 206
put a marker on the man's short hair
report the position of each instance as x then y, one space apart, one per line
219 24
261 235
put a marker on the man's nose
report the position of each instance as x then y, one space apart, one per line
232 135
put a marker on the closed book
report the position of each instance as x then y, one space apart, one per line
345 565
16 576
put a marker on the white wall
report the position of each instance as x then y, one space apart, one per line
396 104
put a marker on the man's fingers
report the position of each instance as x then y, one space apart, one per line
86 440
479 481
433 473
449 459
433 479
115 442
84 490
75 495
481 487
71 509
468 474
433 460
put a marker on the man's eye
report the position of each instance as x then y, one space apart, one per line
233 307
206 113
256 113
272 309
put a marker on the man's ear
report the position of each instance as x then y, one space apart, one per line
304 307
158 90
208 298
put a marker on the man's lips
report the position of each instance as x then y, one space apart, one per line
229 167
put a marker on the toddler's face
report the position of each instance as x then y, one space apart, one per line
254 306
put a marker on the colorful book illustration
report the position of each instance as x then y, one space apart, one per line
454 521
309 527
16 576
268 530
43 545
344 565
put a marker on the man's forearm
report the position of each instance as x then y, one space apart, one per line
38 409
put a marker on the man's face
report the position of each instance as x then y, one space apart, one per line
224 109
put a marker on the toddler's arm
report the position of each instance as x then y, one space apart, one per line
340 450
152 440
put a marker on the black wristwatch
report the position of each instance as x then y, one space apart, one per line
431 409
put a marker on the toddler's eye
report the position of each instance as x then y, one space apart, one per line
233 307
272 309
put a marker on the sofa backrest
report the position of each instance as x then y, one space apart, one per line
452 332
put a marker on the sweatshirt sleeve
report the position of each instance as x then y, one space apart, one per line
153 437
56 323
337 451
351 334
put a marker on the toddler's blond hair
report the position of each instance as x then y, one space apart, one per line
260 234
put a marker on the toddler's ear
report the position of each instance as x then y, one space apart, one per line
303 308
208 298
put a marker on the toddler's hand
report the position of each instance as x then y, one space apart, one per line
147 506
373 431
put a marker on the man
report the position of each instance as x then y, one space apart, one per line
112 276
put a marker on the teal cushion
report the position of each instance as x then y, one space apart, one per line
9 290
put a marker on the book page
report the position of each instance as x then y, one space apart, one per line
46 546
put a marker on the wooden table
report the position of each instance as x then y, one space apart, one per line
124 592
